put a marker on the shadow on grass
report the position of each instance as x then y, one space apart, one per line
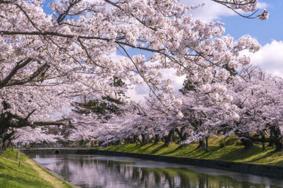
233 153
280 163
182 151
144 149
211 150
154 151
241 153
267 154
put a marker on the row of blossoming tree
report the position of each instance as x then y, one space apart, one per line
67 66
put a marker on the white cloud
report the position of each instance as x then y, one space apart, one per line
270 58
177 81
262 5
208 10
139 92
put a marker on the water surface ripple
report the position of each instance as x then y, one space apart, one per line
94 171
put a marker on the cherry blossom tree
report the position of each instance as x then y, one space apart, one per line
258 97
51 60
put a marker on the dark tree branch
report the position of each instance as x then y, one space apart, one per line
63 15
30 114
234 6
36 76
19 65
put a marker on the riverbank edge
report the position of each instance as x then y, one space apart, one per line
53 174
247 168
19 159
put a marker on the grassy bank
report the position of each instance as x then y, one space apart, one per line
219 149
18 171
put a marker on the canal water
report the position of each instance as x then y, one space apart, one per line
96 171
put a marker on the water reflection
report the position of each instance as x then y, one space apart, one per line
90 171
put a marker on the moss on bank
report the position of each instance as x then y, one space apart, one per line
18 171
219 149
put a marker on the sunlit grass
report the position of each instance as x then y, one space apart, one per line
220 148
18 171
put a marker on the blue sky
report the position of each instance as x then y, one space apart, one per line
263 31
269 33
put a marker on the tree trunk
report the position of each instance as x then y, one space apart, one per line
143 141
278 146
275 138
182 134
247 142
168 138
206 143
203 144
245 139
262 138
156 138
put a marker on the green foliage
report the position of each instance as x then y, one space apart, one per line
118 82
107 105
101 107
188 86
104 106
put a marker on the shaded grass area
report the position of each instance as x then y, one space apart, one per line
18 171
220 148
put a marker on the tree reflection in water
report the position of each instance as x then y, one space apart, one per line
108 172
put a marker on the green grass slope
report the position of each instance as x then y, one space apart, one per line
219 149
18 171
